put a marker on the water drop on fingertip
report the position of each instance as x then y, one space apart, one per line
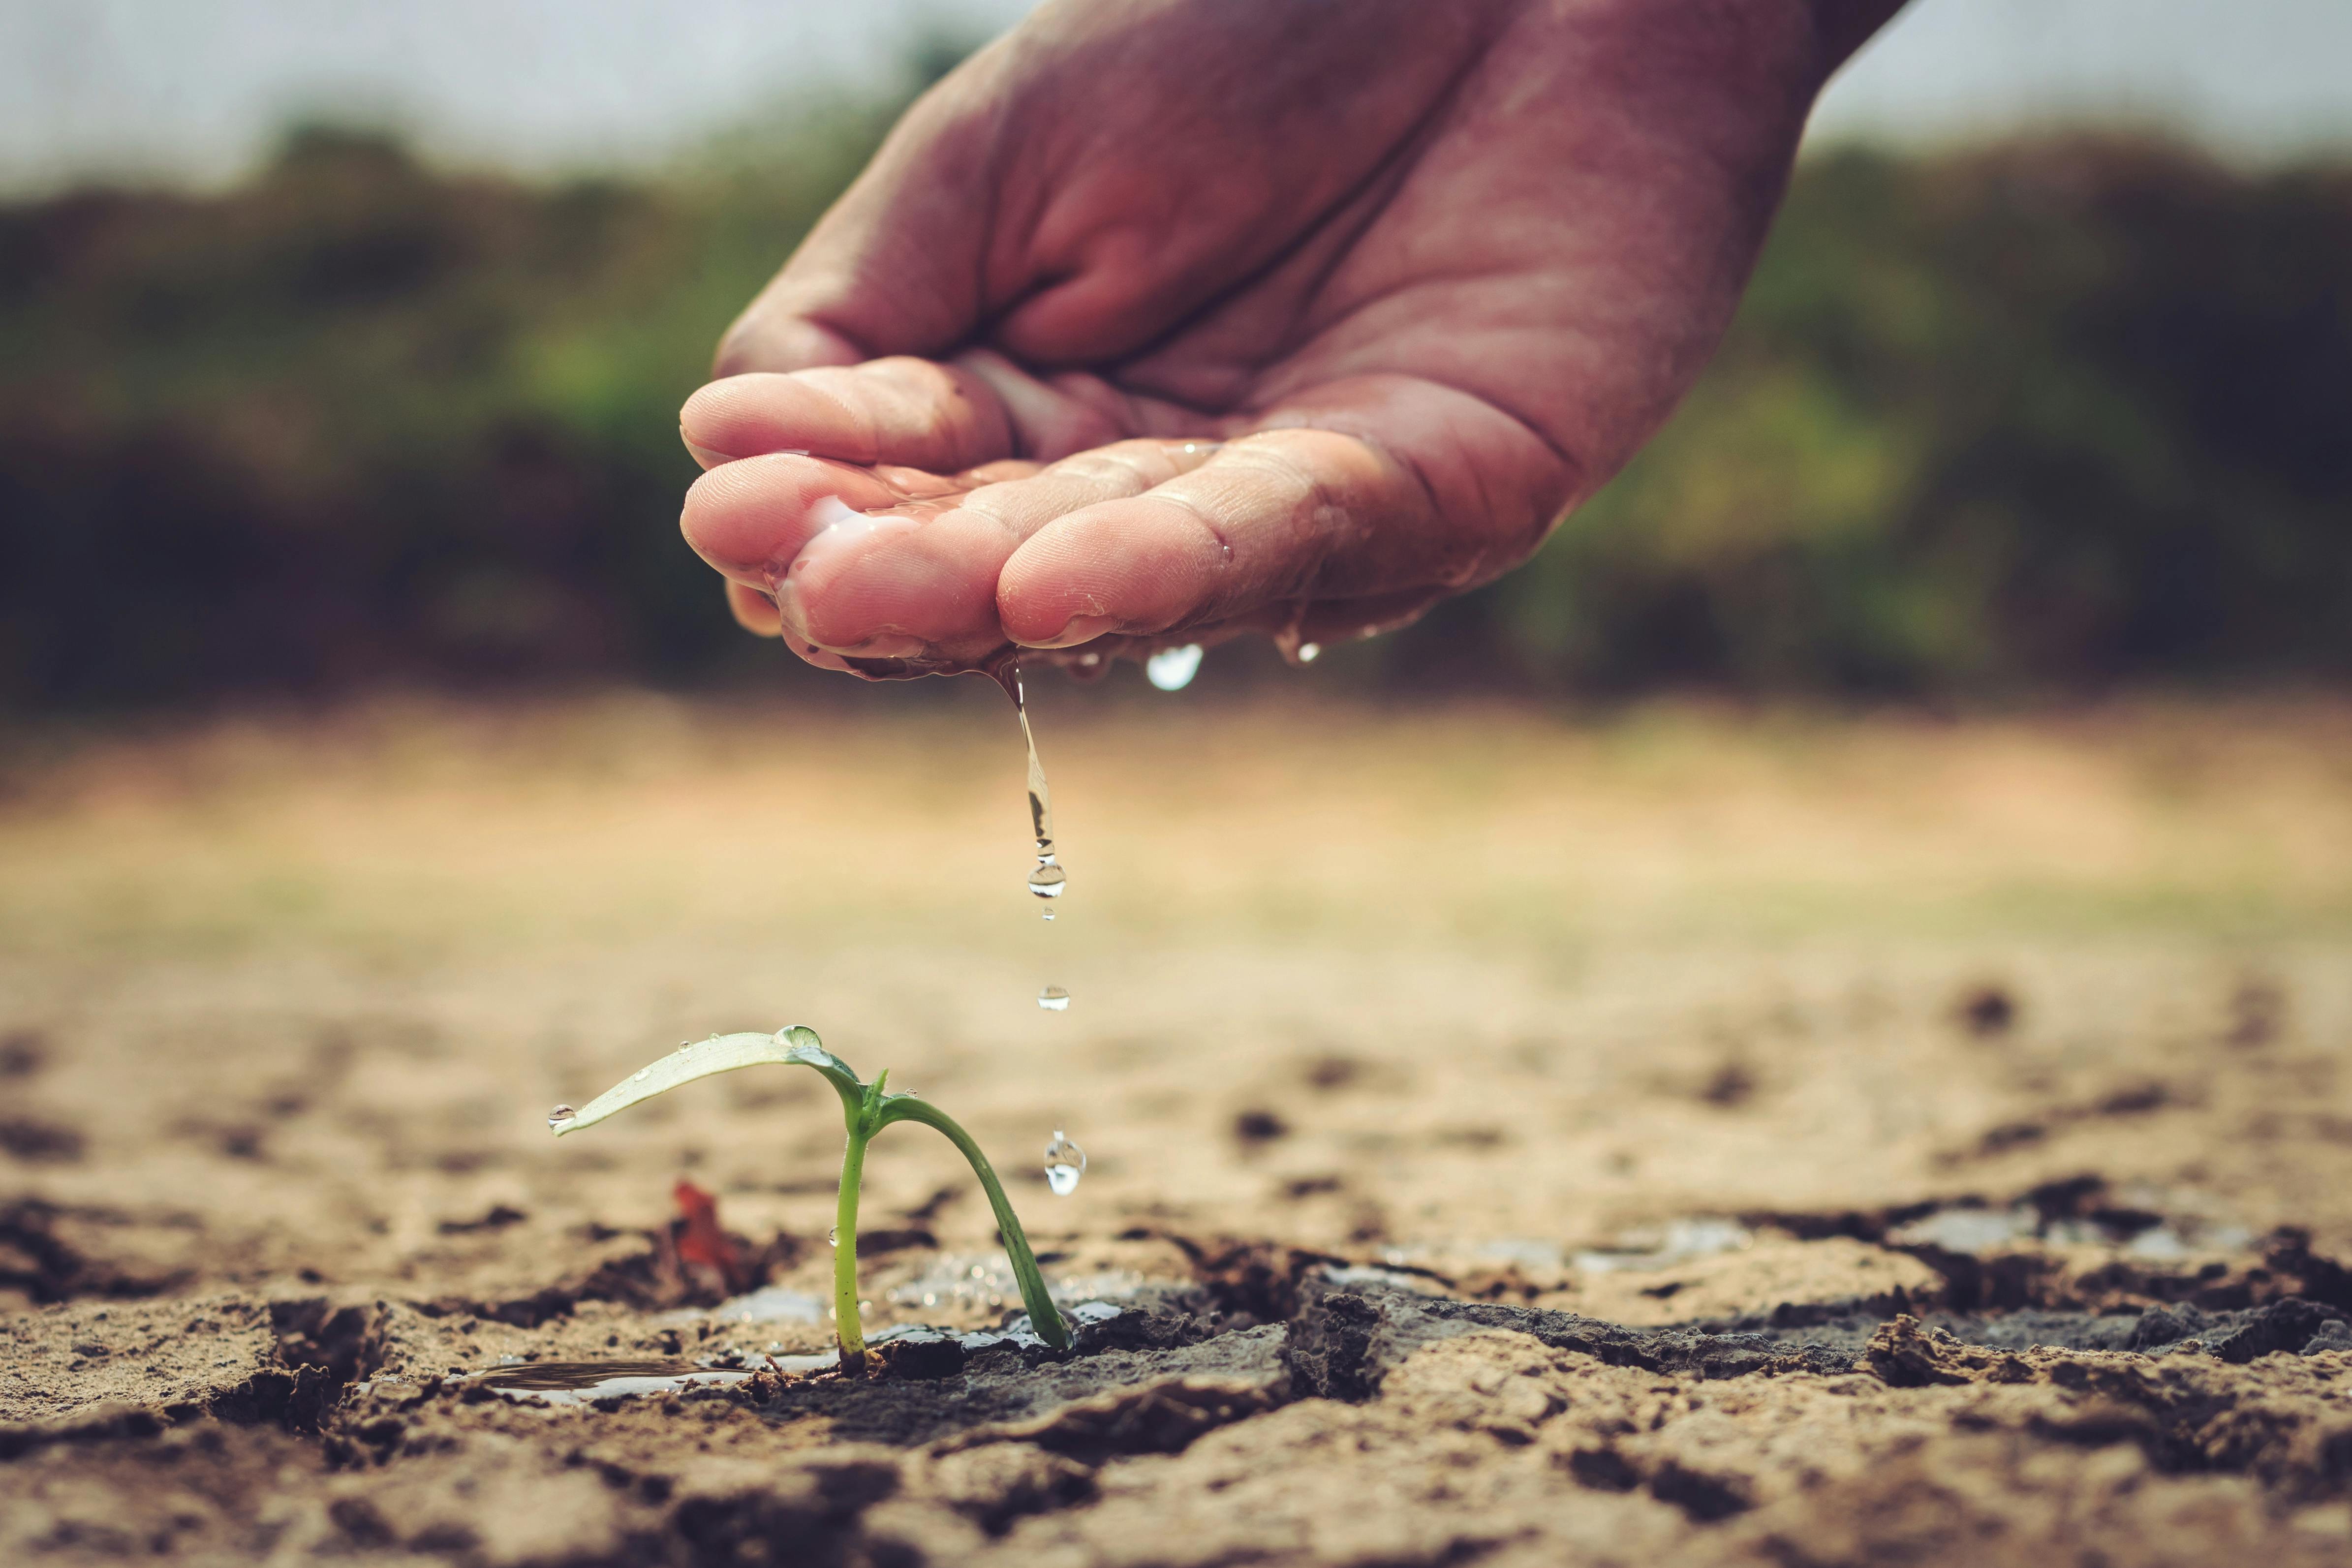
559 1118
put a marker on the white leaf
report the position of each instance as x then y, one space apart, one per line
796 1046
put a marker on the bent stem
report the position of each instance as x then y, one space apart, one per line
1043 1316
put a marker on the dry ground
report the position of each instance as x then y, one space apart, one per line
1793 1023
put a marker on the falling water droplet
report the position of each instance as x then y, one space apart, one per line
1064 1164
1291 642
1048 879
1048 913
1172 669
560 1118
1054 999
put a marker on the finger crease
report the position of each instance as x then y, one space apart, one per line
858 421
1208 525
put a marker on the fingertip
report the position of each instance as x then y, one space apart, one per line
754 611
724 522
1077 629
900 410
762 412
703 456
1138 566
888 585
748 518
704 423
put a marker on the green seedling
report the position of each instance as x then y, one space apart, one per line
866 1110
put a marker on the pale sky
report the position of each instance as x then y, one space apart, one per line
192 90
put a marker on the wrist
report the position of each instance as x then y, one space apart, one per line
1842 27
1795 45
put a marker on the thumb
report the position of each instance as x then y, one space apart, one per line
894 266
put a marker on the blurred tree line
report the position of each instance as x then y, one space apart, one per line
2039 418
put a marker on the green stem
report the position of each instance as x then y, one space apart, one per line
846 1330
1042 1314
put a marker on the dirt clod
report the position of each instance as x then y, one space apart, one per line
1986 1010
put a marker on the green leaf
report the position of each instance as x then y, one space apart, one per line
796 1046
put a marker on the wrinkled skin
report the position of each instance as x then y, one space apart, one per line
1159 321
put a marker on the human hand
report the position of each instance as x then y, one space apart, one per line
1159 321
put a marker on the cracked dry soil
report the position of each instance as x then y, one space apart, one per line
1595 1240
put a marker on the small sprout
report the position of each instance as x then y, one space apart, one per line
866 1110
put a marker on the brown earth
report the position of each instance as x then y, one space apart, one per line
1952 1117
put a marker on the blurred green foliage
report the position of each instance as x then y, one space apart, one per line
2055 415
2045 417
